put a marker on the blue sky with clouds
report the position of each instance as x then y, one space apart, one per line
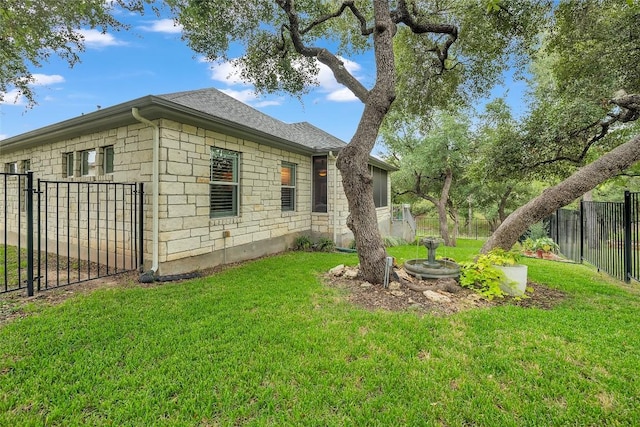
151 59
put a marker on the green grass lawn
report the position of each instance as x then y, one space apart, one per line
266 343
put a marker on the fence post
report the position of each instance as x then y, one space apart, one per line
581 231
141 225
627 236
29 201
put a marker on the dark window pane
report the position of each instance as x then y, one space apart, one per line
320 184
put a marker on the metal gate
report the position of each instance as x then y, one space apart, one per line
57 233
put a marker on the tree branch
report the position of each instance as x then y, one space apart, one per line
629 111
403 15
364 30
341 74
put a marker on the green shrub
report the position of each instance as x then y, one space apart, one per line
325 245
302 243
483 277
390 241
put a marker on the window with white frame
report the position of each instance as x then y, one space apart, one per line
224 183
88 163
107 159
25 166
288 189
68 166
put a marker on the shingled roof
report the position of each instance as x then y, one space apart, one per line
209 108
218 104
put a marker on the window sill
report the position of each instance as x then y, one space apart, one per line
225 220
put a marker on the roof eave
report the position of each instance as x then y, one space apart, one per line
151 108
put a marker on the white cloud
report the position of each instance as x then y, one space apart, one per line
13 97
335 91
342 95
228 73
167 26
268 103
3 136
225 72
46 79
97 40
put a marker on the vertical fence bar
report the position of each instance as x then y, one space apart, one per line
141 225
18 213
39 233
29 203
581 250
627 236
4 242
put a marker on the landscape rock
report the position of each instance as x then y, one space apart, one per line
436 297
366 285
402 273
397 293
394 286
351 273
338 270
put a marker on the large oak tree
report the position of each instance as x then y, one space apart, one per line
283 41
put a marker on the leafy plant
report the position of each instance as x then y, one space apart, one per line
499 256
303 243
390 241
527 244
325 245
483 277
545 244
536 231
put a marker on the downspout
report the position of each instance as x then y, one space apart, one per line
335 197
156 182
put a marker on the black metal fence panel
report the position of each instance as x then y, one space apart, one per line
632 203
57 233
564 229
605 234
87 230
16 252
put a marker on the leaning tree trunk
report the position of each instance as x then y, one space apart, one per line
583 180
353 160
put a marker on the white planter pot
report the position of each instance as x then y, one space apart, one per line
516 279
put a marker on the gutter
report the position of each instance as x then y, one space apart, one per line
156 182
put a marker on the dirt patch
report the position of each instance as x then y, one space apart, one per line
440 297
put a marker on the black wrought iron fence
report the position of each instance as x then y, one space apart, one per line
605 234
16 248
56 233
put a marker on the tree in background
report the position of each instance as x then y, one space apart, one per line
431 155
587 103
498 182
283 42
33 31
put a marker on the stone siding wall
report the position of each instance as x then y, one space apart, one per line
189 239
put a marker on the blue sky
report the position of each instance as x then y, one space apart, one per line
151 59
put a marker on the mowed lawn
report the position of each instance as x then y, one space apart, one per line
265 343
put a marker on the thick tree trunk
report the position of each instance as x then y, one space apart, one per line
456 225
442 208
583 180
354 159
